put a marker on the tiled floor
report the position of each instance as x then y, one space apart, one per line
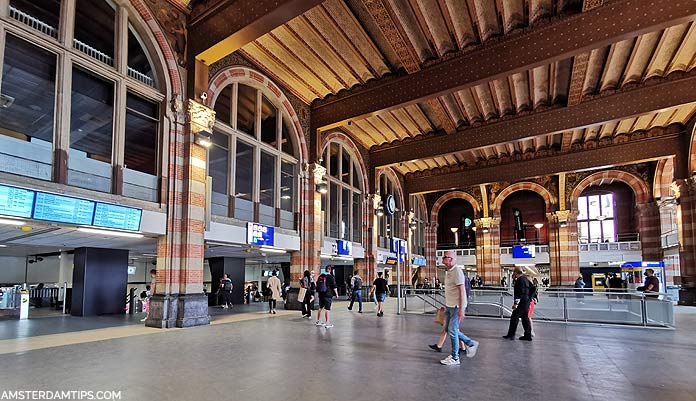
256 356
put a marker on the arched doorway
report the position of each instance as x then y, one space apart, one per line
455 222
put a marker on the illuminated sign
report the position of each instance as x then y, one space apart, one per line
115 216
390 205
344 248
63 209
523 251
390 261
16 202
260 235
418 261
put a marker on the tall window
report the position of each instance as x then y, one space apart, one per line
262 182
113 116
342 204
596 218
389 225
419 219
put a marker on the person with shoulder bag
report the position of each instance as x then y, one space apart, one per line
306 295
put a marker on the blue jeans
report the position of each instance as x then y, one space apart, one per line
356 294
452 324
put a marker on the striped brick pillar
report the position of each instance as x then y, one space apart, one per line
488 249
648 215
430 251
309 255
179 300
367 267
564 255
686 212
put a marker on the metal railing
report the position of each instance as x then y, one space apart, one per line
505 250
135 74
610 246
33 22
92 52
621 308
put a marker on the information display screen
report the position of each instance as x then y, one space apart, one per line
16 202
115 216
344 248
523 251
260 235
63 209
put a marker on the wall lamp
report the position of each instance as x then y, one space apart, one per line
485 230
413 225
380 210
563 224
322 187
203 139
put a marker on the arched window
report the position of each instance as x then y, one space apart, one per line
342 204
253 160
99 71
389 225
596 218
418 222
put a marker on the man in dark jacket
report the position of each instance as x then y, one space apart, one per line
520 309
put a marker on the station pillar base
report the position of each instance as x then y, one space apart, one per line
687 296
167 311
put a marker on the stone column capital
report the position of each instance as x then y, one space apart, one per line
315 170
562 216
374 200
200 117
487 222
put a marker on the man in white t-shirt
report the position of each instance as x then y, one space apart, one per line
455 303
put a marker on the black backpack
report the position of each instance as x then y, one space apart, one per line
357 284
227 285
322 284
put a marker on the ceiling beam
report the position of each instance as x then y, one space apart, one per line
602 109
229 25
629 152
557 40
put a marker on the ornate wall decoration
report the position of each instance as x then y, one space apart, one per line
173 23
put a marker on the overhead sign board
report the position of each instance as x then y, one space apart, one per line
522 251
260 235
63 209
344 248
116 216
16 202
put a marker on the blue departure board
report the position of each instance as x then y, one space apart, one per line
63 209
115 216
16 202
261 235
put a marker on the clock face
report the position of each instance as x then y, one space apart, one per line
390 205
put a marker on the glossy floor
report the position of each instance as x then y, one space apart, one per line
255 356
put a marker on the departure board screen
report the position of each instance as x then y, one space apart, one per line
64 209
16 202
115 216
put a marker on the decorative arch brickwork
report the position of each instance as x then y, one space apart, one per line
253 78
549 199
639 186
345 140
454 195
664 175
397 182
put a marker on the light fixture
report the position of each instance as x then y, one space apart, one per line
454 229
285 197
563 224
322 187
3 246
413 225
380 210
12 222
203 139
485 230
272 250
109 232
538 226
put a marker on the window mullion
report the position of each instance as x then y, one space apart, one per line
118 149
121 41
232 178
4 8
66 26
257 116
62 118
233 106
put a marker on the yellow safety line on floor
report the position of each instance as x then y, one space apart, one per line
79 337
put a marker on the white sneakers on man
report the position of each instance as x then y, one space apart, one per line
471 351
449 361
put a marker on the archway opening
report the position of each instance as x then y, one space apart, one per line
523 219
456 229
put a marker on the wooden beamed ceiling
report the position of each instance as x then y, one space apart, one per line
654 144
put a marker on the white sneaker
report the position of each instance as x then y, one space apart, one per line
449 361
533 333
320 323
471 351
328 326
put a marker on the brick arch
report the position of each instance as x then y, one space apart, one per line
664 175
395 179
692 152
424 207
345 140
247 76
173 85
523 186
638 185
454 195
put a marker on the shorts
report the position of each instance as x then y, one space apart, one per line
381 296
530 312
325 301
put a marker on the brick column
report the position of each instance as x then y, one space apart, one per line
648 215
367 267
309 255
488 249
564 255
179 300
686 192
431 251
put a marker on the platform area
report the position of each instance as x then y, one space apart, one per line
250 355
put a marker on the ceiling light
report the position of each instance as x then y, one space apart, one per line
12 222
285 197
273 250
109 232
3 246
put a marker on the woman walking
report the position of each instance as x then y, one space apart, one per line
276 291
308 284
